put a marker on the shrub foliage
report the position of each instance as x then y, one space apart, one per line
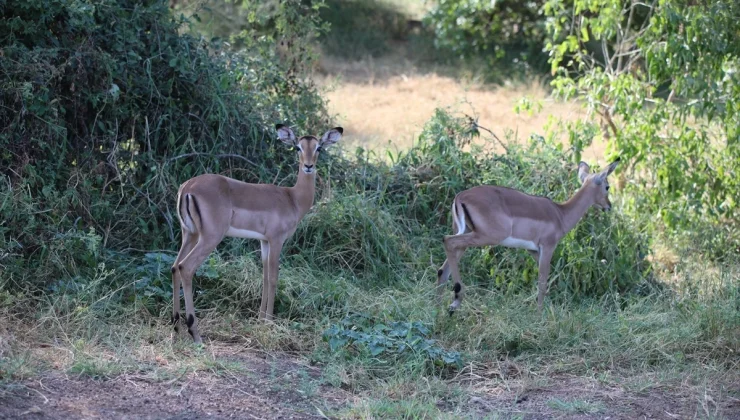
107 112
665 87
106 106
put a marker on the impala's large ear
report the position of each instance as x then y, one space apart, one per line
583 171
332 136
608 170
285 134
611 167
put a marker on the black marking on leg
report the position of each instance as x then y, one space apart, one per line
187 206
174 269
439 272
179 206
197 208
175 321
179 267
191 321
457 289
465 210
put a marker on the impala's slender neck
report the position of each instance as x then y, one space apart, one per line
575 208
304 190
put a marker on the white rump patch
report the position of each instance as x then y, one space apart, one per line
512 242
244 233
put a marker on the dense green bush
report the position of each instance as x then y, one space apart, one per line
387 226
504 33
666 91
106 106
602 253
93 156
360 28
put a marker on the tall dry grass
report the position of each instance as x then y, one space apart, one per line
384 102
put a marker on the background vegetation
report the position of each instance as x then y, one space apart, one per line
107 106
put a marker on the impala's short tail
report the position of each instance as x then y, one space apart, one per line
188 212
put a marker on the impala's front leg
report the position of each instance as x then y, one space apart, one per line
273 261
265 245
544 268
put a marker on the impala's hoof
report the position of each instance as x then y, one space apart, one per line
454 306
176 322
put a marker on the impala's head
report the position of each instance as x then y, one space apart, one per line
308 147
597 184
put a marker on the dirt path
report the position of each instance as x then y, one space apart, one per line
261 387
250 385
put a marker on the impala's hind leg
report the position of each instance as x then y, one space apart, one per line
188 242
455 246
443 274
187 268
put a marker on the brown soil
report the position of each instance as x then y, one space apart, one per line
285 387
599 401
264 387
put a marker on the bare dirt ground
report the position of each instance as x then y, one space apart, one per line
260 387
279 386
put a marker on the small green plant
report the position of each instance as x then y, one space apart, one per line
506 33
95 368
576 406
393 340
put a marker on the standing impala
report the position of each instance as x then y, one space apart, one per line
211 207
490 215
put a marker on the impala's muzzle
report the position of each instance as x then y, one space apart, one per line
308 169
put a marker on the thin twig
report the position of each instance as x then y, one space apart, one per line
476 125
166 217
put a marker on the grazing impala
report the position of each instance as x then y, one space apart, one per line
490 215
211 207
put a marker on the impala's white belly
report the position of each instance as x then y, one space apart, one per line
244 233
512 242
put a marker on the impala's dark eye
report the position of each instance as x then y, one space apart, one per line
318 149
607 188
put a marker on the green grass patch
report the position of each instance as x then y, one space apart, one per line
575 406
